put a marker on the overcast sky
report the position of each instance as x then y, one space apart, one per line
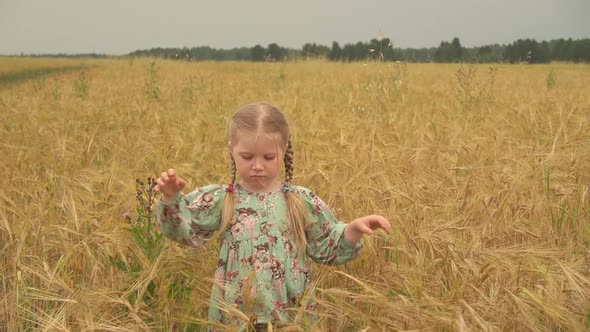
122 26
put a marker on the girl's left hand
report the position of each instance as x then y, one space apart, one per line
370 223
365 225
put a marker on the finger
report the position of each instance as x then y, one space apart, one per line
365 229
384 224
157 188
172 172
160 182
379 222
179 183
164 177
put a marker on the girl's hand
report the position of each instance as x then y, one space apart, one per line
169 184
365 225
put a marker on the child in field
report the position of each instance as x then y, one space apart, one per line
268 229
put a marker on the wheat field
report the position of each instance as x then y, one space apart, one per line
483 172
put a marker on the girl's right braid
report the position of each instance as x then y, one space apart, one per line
228 202
233 169
289 167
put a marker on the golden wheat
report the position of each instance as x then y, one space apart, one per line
485 179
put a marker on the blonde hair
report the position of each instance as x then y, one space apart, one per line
269 120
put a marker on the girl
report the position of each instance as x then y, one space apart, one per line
267 228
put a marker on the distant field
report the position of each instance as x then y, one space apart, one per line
14 65
484 172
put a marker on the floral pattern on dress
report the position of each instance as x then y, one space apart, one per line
259 265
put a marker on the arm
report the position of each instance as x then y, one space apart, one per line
189 219
326 240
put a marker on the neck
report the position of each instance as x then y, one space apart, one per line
274 186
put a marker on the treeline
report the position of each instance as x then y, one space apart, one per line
520 51
65 55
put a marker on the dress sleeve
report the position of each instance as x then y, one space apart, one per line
325 235
193 218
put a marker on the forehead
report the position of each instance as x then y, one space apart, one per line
257 142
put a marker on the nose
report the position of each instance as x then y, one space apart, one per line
257 166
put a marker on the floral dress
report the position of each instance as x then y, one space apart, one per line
259 269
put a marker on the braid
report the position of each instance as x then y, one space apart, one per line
295 209
228 202
233 169
289 167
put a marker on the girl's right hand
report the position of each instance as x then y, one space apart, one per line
169 184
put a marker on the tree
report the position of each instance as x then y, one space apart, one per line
581 50
450 52
360 51
456 50
443 53
381 49
527 51
275 52
315 51
335 52
387 49
258 53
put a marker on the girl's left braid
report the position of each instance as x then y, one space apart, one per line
289 167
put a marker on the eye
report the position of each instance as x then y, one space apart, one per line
246 156
272 157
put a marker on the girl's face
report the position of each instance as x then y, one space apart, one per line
258 158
